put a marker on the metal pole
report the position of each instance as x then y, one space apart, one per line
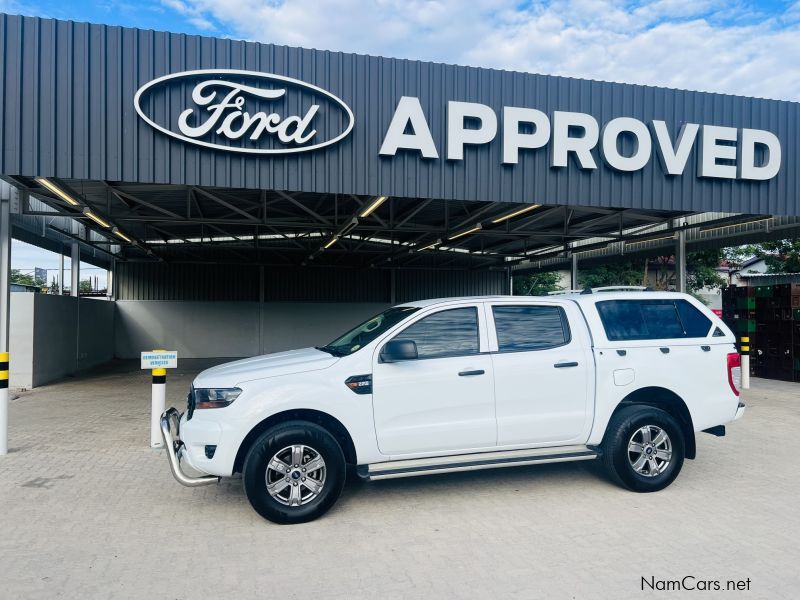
5 322
61 272
680 261
158 405
75 266
574 273
744 349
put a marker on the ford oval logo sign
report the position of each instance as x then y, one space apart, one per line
244 111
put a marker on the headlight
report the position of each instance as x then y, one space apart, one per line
215 398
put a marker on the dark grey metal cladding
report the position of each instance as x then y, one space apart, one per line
229 282
67 111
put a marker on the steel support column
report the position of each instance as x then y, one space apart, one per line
61 271
573 279
75 269
680 261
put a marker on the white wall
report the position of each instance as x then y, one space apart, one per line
231 329
96 332
44 343
20 342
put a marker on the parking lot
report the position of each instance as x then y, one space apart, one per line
88 510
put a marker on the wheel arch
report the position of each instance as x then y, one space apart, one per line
668 401
323 419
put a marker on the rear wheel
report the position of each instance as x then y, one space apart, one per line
643 449
294 472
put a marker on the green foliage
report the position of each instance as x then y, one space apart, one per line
622 272
781 256
536 284
21 278
85 286
700 270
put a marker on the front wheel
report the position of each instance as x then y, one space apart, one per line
643 448
294 472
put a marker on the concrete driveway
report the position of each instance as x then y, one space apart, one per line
87 510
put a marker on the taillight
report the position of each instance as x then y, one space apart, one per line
735 371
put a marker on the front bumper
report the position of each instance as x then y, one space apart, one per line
173 446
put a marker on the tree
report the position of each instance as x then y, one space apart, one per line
85 286
620 272
21 278
657 272
701 270
781 256
536 284
54 288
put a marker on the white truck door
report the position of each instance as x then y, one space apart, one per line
443 400
543 371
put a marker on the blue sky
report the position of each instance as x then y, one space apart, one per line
732 46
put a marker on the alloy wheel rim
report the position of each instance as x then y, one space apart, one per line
295 475
650 451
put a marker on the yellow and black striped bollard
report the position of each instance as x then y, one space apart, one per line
158 406
4 403
744 350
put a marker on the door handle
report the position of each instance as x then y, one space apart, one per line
705 348
563 365
470 373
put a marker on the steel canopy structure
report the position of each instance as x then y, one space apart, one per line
190 224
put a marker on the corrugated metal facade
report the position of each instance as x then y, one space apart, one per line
66 105
159 281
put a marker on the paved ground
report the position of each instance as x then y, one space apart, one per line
87 510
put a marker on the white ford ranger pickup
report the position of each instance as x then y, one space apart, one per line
626 378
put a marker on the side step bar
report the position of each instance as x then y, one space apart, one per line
474 462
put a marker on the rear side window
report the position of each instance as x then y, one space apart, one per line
651 320
521 328
451 332
694 322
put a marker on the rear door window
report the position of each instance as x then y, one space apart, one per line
651 320
522 328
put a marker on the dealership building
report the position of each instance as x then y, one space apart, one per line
249 198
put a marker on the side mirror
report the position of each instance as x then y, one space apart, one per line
398 350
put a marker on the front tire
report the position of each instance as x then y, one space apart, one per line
643 449
294 472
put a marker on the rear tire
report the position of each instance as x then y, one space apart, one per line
643 449
294 472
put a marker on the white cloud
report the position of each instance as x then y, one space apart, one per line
711 45
193 14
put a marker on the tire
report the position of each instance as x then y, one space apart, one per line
294 496
646 470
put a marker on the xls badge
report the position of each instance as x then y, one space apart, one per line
244 111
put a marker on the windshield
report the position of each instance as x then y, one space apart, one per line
360 336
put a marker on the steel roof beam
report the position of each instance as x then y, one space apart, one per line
226 204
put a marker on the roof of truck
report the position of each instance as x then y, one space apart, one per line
580 297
